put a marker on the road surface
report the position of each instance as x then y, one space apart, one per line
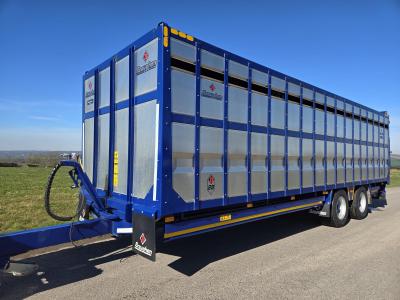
285 257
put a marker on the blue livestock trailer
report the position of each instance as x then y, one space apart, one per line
181 137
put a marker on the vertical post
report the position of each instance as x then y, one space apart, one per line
352 142
345 141
325 144
269 136
131 126
95 127
225 126
197 130
248 157
286 137
313 147
301 138
112 128
335 141
165 140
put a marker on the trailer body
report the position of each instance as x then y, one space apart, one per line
182 137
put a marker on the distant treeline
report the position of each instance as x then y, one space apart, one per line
32 159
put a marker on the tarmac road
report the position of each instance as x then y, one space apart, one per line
285 257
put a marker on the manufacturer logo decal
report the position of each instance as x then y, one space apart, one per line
149 64
142 239
89 94
145 56
211 93
211 184
142 248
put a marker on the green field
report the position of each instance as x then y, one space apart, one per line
22 190
21 197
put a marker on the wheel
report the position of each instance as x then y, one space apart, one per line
339 209
359 207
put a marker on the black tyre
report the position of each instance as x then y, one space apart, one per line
339 209
359 207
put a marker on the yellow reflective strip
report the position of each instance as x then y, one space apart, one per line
165 41
214 225
190 38
165 31
182 34
174 31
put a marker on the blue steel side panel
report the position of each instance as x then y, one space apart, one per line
131 122
285 159
200 225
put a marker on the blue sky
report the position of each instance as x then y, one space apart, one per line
351 48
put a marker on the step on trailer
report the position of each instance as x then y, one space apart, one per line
181 137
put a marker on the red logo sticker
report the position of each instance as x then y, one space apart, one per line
212 87
142 239
145 56
211 184
90 85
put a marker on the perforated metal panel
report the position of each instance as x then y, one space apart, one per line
319 163
212 61
146 60
145 149
356 130
237 166
259 78
370 132
122 79
104 87
183 160
340 126
377 163
211 163
259 171
237 104
387 158
320 98
349 163
277 113
371 163
349 128
211 99
277 163
376 134
308 170
183 92
319 121
308 119
341 163
308 94
330 124
103 151
330 163
364 163
363 131
278 84
259 109
121 151
293 163
293 89
182 50
382 163
293 116
238 70
88 142
357 163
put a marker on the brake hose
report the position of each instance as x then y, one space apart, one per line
80 206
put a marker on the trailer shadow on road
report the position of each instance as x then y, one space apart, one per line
75 264
198 251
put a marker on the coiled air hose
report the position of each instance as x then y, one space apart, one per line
81 204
